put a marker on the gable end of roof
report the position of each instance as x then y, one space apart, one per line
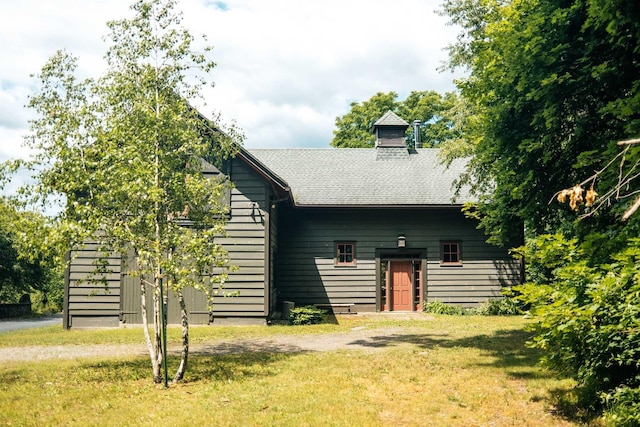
390 119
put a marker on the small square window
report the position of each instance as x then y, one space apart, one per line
451 253
345 253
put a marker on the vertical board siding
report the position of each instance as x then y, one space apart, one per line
307 273
195 301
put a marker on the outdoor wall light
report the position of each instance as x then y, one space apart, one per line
402 241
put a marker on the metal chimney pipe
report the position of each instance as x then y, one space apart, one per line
416 134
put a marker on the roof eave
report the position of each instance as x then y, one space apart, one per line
280 185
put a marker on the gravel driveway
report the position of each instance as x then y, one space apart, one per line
358 338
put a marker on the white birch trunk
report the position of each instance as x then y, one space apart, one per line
157 330
184 355
151 346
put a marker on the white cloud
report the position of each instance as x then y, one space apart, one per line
286 68
279 61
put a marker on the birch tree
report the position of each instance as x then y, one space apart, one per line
124 154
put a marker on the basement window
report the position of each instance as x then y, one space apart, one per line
345 254
450 253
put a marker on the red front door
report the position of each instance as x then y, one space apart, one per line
401 285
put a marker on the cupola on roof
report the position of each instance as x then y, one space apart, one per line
390 131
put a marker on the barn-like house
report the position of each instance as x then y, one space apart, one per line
352 230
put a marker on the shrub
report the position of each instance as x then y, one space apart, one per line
588 323
307 315
439 307
505 306
623 407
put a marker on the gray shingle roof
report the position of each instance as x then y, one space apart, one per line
360 177
390 119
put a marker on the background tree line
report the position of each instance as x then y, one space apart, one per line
27 268
440 116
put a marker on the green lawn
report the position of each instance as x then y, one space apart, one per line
439 371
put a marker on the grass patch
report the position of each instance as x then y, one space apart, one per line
436 371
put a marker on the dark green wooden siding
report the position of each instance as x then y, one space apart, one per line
273 256
295 248
246 242
91 299
197 311
307 273
92 304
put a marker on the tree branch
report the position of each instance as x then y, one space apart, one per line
629 142
632 209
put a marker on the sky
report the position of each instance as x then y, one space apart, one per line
285 68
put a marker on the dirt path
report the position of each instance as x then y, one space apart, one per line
358 338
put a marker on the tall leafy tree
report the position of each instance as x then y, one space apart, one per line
25 268
124 153
555 84
436 112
